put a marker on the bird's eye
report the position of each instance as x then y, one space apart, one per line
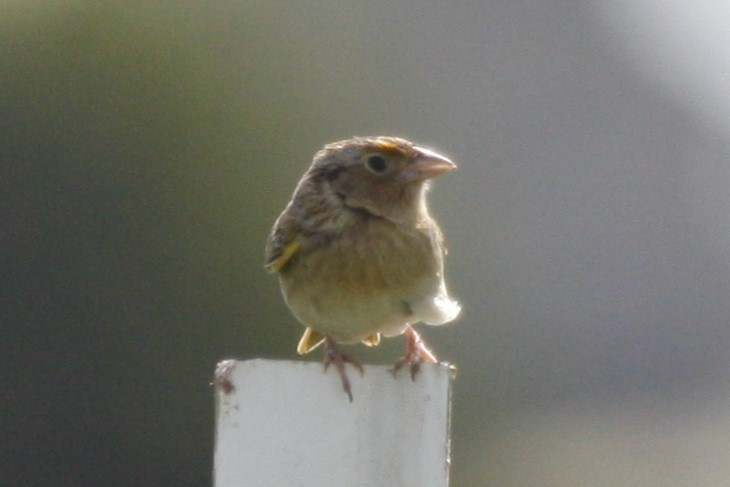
377 164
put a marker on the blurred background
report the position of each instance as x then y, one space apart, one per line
147 148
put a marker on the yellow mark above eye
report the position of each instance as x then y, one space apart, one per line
276 264
388 147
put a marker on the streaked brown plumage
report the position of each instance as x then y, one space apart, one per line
356 251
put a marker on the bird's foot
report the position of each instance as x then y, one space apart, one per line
333 355
416 352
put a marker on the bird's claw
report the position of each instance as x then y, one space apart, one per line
416 352
333 355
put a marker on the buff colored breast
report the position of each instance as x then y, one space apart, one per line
331 291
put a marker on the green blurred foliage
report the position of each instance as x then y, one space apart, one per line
133 227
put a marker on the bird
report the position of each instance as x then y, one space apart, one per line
358 254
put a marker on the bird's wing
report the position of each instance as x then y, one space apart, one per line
283 243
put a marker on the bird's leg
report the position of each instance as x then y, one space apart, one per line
416 352
333 355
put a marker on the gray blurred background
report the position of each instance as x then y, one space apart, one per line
147 147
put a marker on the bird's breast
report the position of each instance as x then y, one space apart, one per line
355 283
374 256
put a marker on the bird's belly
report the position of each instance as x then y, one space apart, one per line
361 284
349 320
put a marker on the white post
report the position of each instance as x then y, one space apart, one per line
282 423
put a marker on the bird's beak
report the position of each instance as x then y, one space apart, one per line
427 165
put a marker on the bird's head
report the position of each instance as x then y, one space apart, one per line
382 176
